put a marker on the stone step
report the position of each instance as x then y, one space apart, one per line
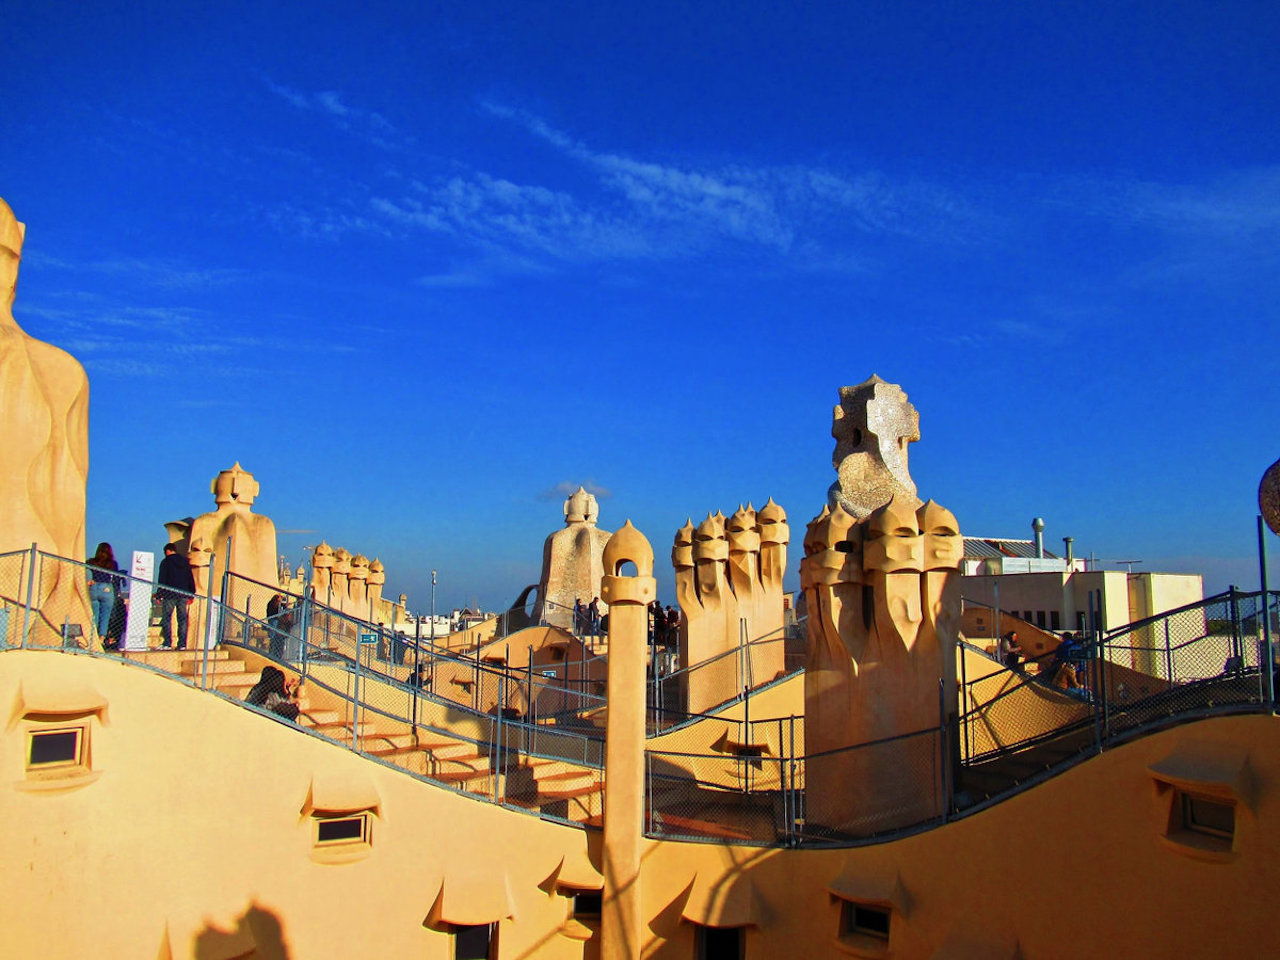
389 743
172 660
702 828
564 779
235 683
309 717
341 732
466 778
563 792
196 668
422 761
449 749
581 805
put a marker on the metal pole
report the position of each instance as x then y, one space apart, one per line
1101 722
1235 621
530 712
1168 654
963 706
497 746
208 627
791 777
226 574
26 610
1266 612
944 752
417 667
304 626
995 628
355 700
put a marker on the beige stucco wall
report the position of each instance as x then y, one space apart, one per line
195 817
1069 593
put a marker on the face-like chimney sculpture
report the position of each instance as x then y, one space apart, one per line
882 592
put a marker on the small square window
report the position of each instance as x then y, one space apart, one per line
333 831
863 920
1212 818
55 748
58 753
474 942
720 943
587 904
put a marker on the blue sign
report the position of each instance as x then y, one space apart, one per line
367 637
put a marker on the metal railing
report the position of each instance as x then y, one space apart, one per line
693 692
1015 727
500 755
725 780
475 679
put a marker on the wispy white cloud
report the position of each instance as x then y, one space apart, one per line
150 341
366 124
632 208
1239 204
157 273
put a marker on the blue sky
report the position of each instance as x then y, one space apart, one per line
420 266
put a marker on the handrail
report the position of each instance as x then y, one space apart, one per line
1204 674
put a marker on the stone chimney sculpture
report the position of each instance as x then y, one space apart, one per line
872 425
728 574
882 590
358 587
253 540
44 435
572 560
340 577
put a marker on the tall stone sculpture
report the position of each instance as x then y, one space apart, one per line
728 574
321 573
340 579
872 425
358 587
884 613
44 445
253 539
377 580
572 560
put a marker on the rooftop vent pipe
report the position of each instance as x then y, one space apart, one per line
1037 525
1069 543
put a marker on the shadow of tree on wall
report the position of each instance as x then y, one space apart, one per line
257 935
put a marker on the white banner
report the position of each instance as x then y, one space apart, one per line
141 570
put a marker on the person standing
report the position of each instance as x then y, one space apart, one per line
176 586
280 623
593 613
104 586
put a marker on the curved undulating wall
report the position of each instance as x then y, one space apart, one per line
186 827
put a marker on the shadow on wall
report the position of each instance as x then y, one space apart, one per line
258 934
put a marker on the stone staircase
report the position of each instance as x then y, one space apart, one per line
555 787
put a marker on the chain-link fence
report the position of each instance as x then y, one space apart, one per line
351 691
498 733
698 690
1207 657
1017 725
744 792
